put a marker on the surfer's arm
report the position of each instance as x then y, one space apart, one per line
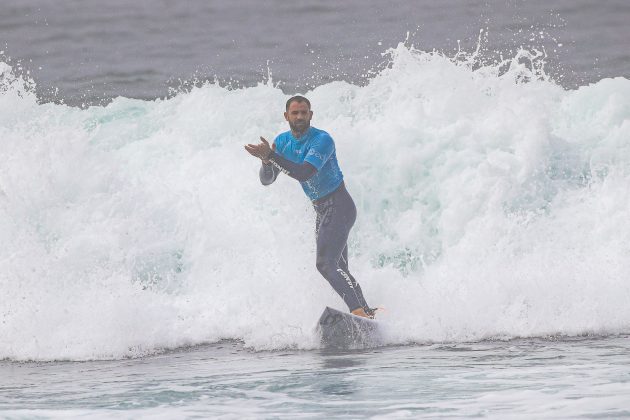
268 173
299 171
321 150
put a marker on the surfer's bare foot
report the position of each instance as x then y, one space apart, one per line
361 312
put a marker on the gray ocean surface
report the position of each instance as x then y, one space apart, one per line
577 378
89 52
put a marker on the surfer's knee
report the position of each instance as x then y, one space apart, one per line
325 266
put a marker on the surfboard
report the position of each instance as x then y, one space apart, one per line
347 331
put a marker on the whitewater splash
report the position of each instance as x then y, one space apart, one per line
492 203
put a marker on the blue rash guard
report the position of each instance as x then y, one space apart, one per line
317 148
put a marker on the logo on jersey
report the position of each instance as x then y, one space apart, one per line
313 152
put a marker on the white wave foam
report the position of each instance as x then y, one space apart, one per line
492 203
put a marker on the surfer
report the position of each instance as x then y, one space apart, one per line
308 154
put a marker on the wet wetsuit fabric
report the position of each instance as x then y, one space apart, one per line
301 172
268 173
336 212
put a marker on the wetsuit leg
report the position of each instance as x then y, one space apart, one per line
343 264
336 214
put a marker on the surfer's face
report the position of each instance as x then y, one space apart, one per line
299 116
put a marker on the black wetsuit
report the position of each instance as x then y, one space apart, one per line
336 214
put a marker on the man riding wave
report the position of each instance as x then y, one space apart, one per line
308 154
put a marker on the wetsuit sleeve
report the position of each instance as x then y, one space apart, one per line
299 171
268 173
322 149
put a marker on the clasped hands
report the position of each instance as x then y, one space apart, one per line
261 150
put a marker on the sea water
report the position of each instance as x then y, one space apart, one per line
90 51
493 206
527 378
146 272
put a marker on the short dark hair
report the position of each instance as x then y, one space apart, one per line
298 98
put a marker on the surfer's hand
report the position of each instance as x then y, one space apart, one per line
265 149
261 150
271 150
